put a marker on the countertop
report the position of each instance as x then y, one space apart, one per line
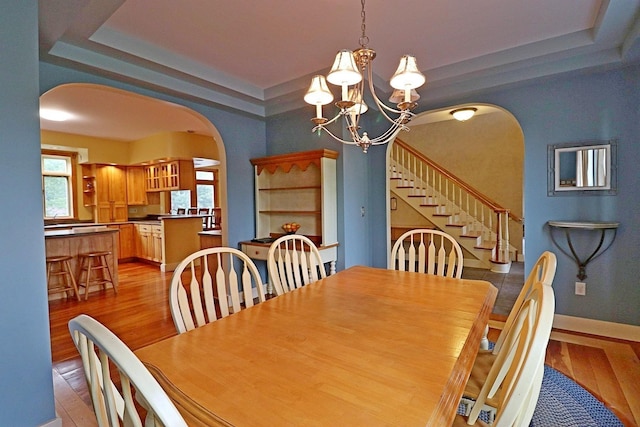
79 231
158 221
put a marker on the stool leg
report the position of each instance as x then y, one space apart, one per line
106 264
89 266
70 277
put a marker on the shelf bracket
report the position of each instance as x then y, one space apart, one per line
569 226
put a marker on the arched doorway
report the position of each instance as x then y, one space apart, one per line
110 125
484 153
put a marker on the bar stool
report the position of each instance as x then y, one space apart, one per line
96 271
58 267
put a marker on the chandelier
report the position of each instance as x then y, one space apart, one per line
348 71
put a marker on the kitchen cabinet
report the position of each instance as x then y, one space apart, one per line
173 175
126 241
149 242
109 192
168 242
136 186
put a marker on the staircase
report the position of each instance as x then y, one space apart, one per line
477 223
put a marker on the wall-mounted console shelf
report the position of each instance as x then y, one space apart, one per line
573 226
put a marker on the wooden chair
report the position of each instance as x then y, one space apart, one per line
207 223
544 270
181 211
102 350
510 389
192 211
209 282
427 251
294 261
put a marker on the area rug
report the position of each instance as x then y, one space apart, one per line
563 403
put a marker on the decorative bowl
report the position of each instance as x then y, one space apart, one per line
290 227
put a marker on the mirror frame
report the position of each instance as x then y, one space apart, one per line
552 151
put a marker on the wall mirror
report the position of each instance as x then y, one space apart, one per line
587 168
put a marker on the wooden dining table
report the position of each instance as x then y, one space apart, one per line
366 346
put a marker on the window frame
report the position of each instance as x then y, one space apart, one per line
72 186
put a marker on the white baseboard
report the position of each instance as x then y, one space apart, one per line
589 326
597 327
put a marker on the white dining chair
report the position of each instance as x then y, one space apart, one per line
544 271
101 350
427 251
508 392
294 261
212 283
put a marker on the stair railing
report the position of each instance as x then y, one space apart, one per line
462 203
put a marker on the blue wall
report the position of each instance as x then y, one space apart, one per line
570 108
26 386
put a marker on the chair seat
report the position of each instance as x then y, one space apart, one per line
59 258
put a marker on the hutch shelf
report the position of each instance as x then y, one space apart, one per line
296 187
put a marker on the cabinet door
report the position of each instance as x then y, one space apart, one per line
127 241
118 184
104 212
152 178
156 238
139 246
136 189
119 212
103 178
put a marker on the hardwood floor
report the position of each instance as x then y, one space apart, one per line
139 314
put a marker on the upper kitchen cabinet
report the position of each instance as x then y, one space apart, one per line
110 191
173 175
136 186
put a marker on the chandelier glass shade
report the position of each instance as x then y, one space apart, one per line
349 71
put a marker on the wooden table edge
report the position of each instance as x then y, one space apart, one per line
443 413
185 405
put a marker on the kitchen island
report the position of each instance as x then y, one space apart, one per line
74 241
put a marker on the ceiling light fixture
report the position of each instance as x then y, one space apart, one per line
348 71
463 114
55 115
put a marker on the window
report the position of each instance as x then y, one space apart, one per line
180 199
205 189
205 196
57 185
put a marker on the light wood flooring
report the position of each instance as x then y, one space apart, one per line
139 314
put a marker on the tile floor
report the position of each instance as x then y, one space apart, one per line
508 285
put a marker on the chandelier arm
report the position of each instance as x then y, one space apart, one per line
381 106
344 141
389 134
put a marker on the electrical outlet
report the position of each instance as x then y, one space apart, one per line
133 210
581 288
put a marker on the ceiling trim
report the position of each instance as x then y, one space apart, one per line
614 38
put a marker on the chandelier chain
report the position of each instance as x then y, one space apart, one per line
364 40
